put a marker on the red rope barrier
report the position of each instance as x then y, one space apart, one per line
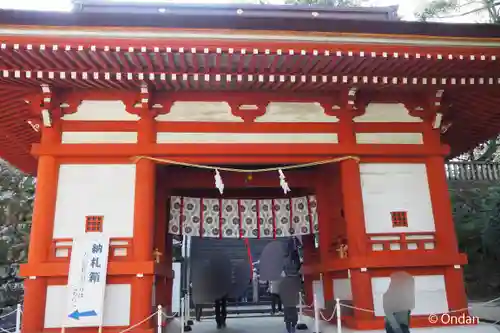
249 253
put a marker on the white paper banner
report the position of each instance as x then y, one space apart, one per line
87 281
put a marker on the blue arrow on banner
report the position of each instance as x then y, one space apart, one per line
77 314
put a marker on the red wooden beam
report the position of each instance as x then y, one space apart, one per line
9 60
96 58
70 54
195 61
225 45
19 53
134 60
320 151
158 60
85 59
123 62
171 66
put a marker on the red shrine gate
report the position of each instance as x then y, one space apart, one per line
73 142
79 105
64 150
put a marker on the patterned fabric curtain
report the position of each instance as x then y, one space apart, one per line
234 218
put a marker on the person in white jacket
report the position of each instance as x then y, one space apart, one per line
399 301
255 286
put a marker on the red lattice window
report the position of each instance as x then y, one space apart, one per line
93 223
399 219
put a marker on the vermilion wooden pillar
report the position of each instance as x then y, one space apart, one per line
446 241
159 242
455 288
144 218
35 288
325 197
350 182
163 242
309 251
441 205
169 282
356 236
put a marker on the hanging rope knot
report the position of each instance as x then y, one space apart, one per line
218 182
283 183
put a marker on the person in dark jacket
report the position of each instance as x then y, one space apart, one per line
221 311
291 269
198 311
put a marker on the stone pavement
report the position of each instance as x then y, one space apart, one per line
237 325
489 311
275 325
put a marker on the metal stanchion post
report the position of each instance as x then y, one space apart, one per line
159 319
182 315
339 318
185 325
316 315
18 318
189 321
300 324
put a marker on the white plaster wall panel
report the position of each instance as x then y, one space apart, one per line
88 189
167 137
200 111
98 137
390 138
221 112
389 187
386 113
116 305
101 111
295 112
342 289
430 294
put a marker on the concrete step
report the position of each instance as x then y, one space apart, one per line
237 310
249 305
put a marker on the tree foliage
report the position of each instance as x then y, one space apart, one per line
330 3
16 206
476 212
444 9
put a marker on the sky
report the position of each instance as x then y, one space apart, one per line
406 7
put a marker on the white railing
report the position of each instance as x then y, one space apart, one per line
472 171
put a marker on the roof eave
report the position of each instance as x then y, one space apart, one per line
233 21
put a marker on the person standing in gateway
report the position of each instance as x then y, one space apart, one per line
221 312
399 301
292 277
275 297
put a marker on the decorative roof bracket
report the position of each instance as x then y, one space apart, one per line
346 103
428 107
148 101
